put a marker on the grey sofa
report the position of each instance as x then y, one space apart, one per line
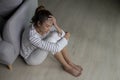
11 31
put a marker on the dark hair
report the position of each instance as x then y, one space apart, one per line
41 14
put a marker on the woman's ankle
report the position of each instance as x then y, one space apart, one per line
72 71
67 67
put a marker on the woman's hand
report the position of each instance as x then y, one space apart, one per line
67 35
56 26
54 20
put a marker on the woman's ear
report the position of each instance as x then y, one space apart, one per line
38 23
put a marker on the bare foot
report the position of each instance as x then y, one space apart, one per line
77 67
80 68
72 71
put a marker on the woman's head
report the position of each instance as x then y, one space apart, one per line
42 18
41 15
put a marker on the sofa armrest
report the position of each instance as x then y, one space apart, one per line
6 53
17 22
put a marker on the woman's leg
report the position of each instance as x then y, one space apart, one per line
53 37
65 55
67 58
66 66
36 57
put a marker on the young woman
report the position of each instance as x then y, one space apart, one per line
44 36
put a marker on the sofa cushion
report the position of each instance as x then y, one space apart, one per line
8 6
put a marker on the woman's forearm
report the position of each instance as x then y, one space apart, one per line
58 28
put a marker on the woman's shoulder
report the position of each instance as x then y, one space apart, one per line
33 32
32 28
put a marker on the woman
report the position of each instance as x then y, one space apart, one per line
44 36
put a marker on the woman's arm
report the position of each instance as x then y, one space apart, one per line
60 31
45 45
56 25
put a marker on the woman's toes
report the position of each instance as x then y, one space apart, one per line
77 67
73 72
80 68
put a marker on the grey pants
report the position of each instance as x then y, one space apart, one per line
39 55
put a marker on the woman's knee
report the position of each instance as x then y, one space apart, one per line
32 63
37 57
53 37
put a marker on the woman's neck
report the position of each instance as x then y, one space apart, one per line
39 31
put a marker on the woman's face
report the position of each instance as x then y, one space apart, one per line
46 26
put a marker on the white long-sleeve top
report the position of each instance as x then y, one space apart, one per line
32 40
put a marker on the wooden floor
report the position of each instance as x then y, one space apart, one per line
94 44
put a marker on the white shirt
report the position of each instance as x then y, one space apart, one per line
32 40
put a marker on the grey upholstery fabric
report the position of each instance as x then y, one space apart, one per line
5 52
10 45
2 22
8 6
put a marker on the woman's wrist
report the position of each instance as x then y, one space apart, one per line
55 24
58 28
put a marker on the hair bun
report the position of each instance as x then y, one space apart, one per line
41 7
